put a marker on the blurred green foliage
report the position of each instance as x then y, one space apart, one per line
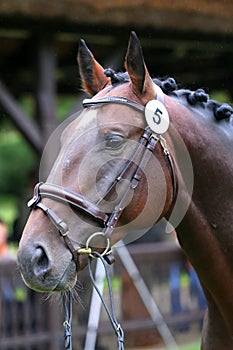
64 105
17 160
8 209
195 346
220 96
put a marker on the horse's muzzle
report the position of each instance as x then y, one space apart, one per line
39 272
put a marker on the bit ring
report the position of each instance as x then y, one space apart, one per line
87 248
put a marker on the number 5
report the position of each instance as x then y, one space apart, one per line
158 114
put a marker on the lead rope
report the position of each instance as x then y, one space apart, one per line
67 304
110 311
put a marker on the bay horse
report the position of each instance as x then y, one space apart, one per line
141 150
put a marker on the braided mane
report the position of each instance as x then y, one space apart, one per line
198 98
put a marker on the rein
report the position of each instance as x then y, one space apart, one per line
67 305
157 123
110 311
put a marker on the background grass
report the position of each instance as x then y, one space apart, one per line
195 346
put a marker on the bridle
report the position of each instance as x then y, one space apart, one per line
134 168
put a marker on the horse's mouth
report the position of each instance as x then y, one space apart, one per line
67 280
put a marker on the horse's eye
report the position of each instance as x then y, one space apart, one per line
114 141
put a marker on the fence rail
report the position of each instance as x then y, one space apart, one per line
29 321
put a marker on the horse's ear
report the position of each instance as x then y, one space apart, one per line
136 68
91 72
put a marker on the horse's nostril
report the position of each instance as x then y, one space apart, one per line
41 262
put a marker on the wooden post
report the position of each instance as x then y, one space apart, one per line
46 84
45 94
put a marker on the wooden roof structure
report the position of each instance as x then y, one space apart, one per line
189 40
205 15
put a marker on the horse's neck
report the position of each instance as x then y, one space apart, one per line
206 230
210 147
213 265
211 200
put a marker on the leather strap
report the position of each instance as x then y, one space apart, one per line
62 228
65 195
123 100
113 99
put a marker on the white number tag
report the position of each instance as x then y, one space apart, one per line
157 117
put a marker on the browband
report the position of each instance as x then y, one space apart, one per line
113 99
123 100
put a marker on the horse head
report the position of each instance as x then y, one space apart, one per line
113 177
